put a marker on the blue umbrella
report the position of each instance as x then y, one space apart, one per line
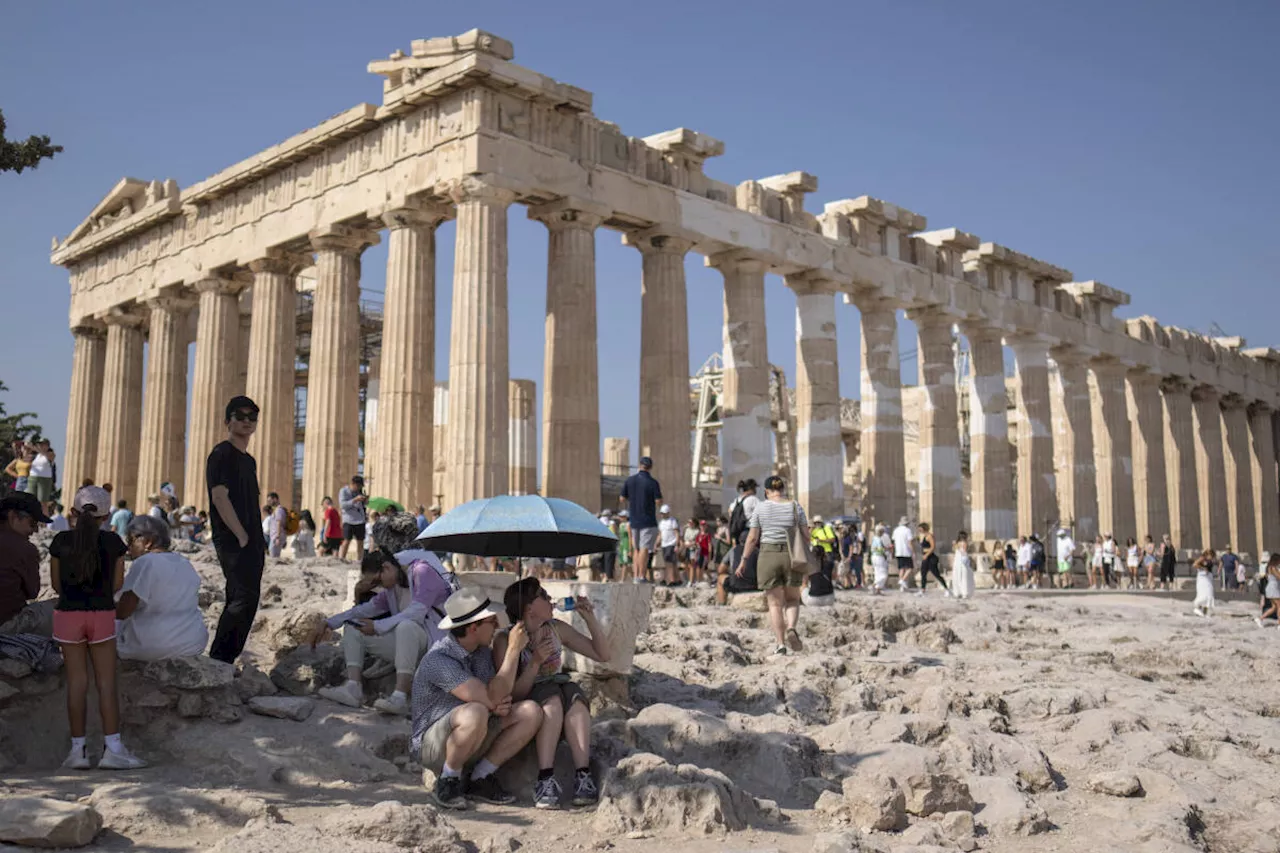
519 526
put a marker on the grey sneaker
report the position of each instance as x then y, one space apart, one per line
585 792
546 793
448 793
122 760
77 759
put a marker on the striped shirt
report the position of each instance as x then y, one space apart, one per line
774 519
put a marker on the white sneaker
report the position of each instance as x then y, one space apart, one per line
902 586
78 759
393 704
343 695
1258 622
122 760
946 593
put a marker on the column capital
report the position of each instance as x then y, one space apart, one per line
280 261
126 317
421 215
813 282
870 299
229 284
932 315
736 260
1108 367
344 239
980 332
88 328
659 240
1175 385
1205 393
485 188
1028 340
1259 408
1071 356
564 213
174 303
1232 402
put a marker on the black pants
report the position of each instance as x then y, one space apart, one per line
1167 568
855 563
1107 566
608 562
930 567
242 567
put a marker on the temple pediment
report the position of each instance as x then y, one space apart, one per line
128 197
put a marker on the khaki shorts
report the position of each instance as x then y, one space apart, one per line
435 738
773 568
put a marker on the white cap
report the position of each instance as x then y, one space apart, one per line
665 508
94 496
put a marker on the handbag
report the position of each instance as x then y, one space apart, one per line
802 558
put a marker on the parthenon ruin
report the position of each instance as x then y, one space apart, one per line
1124 425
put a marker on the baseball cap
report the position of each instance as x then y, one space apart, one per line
24 502
95 497
237 403
665 509
646 462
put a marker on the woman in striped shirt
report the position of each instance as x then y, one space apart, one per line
770 522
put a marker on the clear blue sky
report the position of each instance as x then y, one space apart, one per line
1130 142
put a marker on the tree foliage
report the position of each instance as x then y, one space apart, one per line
13 428
16 156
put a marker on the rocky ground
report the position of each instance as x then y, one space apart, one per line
1008 722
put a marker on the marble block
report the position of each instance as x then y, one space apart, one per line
623 609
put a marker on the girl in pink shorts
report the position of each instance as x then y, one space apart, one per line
86 568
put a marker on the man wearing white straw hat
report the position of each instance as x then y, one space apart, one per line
462 704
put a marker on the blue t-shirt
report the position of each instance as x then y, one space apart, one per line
1229 563
120 521
642 493
422 523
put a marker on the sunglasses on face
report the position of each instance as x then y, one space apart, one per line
251 417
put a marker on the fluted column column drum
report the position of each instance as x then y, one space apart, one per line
1180 464
121 419
1037 485
1215 523
217 360
273 339
990 467
1242 518
84 407
940 489
1150 479
883 457
1077 478
164 412
1114 444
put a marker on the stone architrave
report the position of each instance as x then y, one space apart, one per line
217 358
1266 494
1037 486
1150 480
84 412
333 374
121 420
273 338
1242 519
941 485
746 431
477 445
617 457
403 457
1077 478
883 456
1215 522
819 485
664 364
1181 468
991 472
523 442
570 383
164 404
1113 445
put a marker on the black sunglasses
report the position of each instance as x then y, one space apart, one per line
251 417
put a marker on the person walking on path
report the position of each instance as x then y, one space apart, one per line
232 478
961 567
331 524
351 499
1228 560
903 551
277 525
1066 552
770 525
1205 565
1149 561
1168 562
1109 551
929 560
642 494
880 548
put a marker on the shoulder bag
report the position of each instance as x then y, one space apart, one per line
802 559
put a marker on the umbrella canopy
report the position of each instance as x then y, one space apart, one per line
382 505
519 526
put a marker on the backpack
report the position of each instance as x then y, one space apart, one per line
292 522
450 579
738 521
1037 553
820 585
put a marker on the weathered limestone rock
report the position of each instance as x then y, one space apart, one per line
1241 517
1215 523
1112 439
960 829
937 792
7 692
421 827
1180 464
294 630
875 803
1037 486
305 670
1150 481
284 707
11 668
39 822
1116 784
622 608
190 673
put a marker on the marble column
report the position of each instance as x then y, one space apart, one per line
1263 459
1150 476
941 487
120 430
664 365
570 383
164 403
273 341
439 440
523 443
990 468
1113 445
883 458
819 485
1215 523
84 408
1181 466
479 366
746 431
1077 473
332 452
617 457
1242 519
217 360
240 382
403 456
1037 486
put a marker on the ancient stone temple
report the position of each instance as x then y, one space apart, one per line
1124 426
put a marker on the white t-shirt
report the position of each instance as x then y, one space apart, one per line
1024 555
902 541
1066 547
669 530
167 622
41 466
156 512
1108 549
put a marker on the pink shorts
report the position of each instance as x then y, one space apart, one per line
84 626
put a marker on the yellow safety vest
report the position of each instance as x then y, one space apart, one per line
822 536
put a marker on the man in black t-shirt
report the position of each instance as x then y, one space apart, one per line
232 477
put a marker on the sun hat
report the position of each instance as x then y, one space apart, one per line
665 509
817 519
94 496
468 605
24 502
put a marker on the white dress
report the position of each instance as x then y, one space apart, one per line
1204 589
880 560
304 543
961 575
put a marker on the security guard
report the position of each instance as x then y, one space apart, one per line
824 542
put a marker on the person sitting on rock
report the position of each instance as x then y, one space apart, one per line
565 711
20 516
158 611
391 626
463 707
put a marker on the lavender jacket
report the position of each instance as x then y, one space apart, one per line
427 590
